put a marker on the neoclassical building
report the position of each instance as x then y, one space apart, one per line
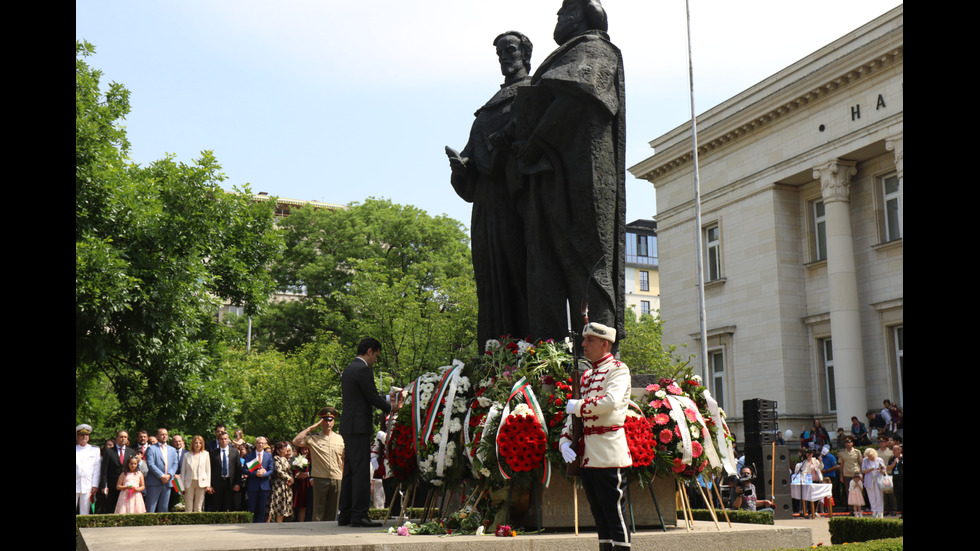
642 278
802 209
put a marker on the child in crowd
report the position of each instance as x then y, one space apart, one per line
130 484
854 496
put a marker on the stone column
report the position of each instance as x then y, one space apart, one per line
845 317
897 144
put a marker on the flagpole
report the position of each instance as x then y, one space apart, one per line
697 206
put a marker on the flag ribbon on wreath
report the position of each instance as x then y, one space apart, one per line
523 388
416 414
452 375
449 379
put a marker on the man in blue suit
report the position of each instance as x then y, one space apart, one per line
161 464
258 479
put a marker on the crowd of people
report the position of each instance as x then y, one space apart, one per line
872 478
864 481
273 481
323 475
319 475
869 480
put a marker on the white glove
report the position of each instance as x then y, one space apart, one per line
374 464
567 453
572 407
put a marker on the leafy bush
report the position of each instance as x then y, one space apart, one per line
850 529
161 519
735 515
891 544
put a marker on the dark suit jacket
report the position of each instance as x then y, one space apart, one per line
180 458
255 480
234 466
359 394
111 468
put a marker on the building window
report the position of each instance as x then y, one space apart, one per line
644 280
890 200
641 249
898 335
716 363
712 240
644 307
828 367
819 231
641 246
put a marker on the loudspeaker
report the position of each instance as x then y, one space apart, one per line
771 466
757 404
759 422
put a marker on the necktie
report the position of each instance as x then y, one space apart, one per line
122 453
163 451
224 463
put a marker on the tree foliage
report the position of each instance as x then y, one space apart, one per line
378 269
157 248
277 394
643 349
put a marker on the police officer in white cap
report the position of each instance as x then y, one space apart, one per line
605 391
88 465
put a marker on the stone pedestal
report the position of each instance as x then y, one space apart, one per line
558 506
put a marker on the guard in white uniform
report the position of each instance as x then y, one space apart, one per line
605 392
88 465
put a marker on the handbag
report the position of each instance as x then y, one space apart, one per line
886 482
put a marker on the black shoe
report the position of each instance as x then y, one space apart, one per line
343 522
365 523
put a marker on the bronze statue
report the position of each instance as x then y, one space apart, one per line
570 143
485 174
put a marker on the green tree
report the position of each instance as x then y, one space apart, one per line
643 349
279 394
157 249
379 269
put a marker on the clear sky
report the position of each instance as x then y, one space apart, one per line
340 101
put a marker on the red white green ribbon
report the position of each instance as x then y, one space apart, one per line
523 388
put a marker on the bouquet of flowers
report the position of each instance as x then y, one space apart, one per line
439 403
639 437
474 426
521 441
299 463
554 414
712 418
674 418
400 445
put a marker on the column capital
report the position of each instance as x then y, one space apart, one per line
835 179
896 143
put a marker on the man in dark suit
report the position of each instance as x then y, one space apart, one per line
178 443
357 428
258 479
211 445
114 461
226 474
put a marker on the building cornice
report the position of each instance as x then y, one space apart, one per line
830 71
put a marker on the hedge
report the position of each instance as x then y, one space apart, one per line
851 529
735 515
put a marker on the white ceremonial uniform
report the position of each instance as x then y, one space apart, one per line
605 392
88 465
